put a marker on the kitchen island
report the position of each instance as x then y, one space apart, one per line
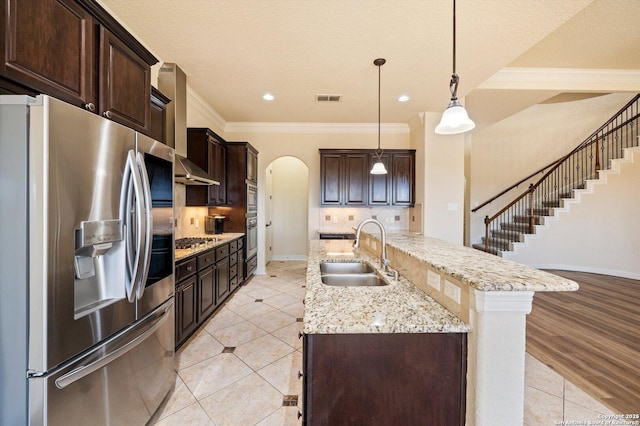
463 291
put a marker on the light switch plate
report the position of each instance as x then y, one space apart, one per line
433 279
452 291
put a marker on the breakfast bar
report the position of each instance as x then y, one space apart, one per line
442 288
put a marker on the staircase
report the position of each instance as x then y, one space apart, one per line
559 184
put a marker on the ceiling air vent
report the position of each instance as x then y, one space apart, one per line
328 98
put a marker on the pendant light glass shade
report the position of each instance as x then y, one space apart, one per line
378 167
455 118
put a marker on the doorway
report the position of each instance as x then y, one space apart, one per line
286 209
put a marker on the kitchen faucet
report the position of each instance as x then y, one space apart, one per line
384 262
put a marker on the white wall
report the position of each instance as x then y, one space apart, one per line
443 195
523 143
290 186
600 233
305 146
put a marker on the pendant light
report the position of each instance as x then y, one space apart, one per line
378 167
455 118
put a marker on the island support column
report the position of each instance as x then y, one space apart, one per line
497 345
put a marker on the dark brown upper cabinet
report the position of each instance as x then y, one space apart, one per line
380 185
209 152
125 84
75 51
252 166
403 178
49 46
157 128
345 178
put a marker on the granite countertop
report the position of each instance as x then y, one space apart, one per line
481 271
181 254
399 307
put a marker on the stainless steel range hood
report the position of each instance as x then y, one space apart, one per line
188 173
172 81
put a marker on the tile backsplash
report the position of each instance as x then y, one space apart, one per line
340 218
189 220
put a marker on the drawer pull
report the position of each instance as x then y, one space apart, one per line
107 114
189 268
90 106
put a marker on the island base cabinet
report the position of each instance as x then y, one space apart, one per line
385 379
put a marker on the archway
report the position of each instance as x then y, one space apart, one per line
286 209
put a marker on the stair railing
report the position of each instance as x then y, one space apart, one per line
568 173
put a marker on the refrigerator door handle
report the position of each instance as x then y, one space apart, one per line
133 221
148 215
84 370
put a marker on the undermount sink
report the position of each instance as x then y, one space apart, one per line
349 274
356 280
346 268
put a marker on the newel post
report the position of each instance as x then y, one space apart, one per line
486 233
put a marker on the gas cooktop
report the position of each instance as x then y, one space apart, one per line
194 242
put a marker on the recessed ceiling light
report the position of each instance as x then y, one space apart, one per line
268 97
403 98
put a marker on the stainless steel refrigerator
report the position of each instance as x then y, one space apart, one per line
86 267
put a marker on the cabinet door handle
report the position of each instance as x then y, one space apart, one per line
189 268
90 106
107 114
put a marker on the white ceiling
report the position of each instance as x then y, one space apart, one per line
234 51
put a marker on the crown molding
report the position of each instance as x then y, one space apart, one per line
205 109
331 128
564 79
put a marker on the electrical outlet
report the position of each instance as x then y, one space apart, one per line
397 218
191 221
433 279
327 217
350 217
452 291
197 223
374 217
334 219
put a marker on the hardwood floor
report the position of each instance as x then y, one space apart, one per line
592 337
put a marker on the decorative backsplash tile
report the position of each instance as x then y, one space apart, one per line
349 217
189 221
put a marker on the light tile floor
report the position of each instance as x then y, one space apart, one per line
238 368
247 385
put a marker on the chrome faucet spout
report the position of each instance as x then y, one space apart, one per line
384 262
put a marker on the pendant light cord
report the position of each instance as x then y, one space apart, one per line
379 73
379 63
454 36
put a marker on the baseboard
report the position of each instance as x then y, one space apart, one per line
281 257
589 269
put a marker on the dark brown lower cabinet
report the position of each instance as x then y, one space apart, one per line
186 310
203 283
222 278
206 293
385 379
